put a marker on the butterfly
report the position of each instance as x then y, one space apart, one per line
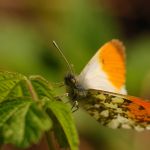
100 90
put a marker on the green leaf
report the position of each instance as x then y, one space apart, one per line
23 112
12 85
22 122
17 85
42 87
22 115
63 125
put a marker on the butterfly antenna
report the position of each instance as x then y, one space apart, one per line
60 51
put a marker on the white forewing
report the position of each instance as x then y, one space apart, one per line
93 77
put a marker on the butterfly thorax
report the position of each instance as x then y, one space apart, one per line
74 88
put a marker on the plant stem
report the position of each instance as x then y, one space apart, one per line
49 141
31 90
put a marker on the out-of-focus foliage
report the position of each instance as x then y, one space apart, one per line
79 34
138 65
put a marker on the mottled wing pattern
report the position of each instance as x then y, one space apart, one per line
117 111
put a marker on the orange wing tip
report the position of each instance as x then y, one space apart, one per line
140 102
119 45
139 109
117 42
112 60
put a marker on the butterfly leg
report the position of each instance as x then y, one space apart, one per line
61 96
58 85
75 106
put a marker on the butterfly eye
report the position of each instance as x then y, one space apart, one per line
73 80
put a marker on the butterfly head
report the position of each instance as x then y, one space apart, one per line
70 80
74 88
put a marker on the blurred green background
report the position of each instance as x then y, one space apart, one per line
27 29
